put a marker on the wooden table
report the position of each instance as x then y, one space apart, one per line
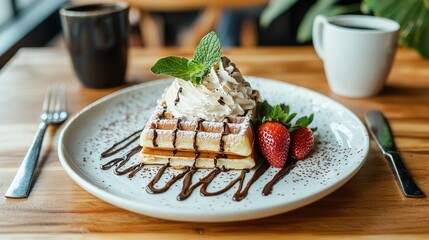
370 204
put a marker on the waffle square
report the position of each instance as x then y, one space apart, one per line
201 144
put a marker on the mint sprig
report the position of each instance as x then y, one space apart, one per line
207 53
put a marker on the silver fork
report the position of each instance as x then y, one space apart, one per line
54 112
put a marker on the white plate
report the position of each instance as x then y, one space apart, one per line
342 145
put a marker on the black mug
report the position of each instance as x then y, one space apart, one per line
97 37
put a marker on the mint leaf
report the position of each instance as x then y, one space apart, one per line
208 51
194 66
173 66
197 71
180 68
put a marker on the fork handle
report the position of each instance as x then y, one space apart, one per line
21 184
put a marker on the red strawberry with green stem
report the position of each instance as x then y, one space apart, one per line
273 141
301 138
272 135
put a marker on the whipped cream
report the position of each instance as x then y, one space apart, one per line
223 93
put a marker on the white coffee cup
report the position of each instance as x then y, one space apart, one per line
357 52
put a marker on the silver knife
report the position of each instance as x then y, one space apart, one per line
380 130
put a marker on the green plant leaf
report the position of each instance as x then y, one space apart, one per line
173 66
208 51
412 15
325 7
273 10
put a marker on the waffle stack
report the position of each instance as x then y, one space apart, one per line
201 144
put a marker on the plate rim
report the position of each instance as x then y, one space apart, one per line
219 216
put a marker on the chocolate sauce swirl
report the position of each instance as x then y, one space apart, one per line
122 161
115 148
187 189
150 188
240 195
204 182
283 172
209 178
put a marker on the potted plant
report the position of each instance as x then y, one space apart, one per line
412 15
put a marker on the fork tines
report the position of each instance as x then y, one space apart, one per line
55 103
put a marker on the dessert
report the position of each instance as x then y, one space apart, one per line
206 119
204 122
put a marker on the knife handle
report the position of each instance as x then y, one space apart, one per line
407 183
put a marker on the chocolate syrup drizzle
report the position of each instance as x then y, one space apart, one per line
188 187
221 142
122 161
220 101
155 136
155 133
115 148
176 101
175 135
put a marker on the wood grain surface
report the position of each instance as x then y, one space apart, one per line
369 206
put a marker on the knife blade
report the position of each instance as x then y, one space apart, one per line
382 134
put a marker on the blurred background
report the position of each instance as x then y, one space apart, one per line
182 23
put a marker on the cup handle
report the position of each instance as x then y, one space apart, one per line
318 23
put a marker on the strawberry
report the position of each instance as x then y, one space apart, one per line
272 134
273 141
275 134
301 142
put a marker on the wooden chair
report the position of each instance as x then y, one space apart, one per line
152 27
